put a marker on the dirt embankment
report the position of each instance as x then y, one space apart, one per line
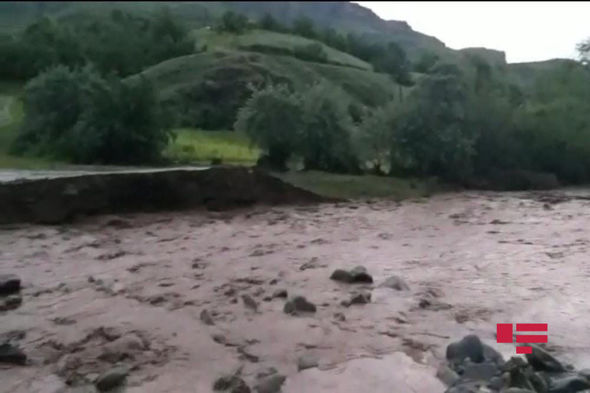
60 199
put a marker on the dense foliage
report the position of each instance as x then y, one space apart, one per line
82 117
118 43
469 122
315 126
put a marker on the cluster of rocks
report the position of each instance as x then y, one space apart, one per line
10 299
474 367
268 380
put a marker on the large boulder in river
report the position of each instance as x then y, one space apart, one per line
541 360
299 304
358 274
468 347
9 284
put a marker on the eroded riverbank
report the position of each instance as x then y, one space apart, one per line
132 289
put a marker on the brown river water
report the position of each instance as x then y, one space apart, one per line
131 289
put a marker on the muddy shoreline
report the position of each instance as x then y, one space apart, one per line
64 198
131 289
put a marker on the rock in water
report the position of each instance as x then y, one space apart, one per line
9 284
469 347
298 304
541 360
358 298
446 375
206 318
10 302
571 384
359 275
480 371
231 383
395 282
490 354
265 372
111 378
249 302
280 293
271 384
341 275
11 354
307 361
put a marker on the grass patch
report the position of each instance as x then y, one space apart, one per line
200 147
269 39
356 187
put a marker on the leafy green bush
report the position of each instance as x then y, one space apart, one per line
233 22
119 43
272 119
79 116
325 141
311 52
431 136
373 140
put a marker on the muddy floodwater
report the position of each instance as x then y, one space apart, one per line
131 289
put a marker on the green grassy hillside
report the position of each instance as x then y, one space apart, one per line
268 41
205 90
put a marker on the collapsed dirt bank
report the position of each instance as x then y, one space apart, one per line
59 199
133 289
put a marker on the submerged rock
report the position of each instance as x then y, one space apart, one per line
468 347
282 293
569 384
446 375
12 354
395 282
206 318
270 384
9 284
249 302
307 361
358 298
232 384
541 360
358 274
111 378
10 302
298 304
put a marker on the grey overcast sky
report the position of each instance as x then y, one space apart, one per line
526 31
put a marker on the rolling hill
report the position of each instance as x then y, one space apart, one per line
206 89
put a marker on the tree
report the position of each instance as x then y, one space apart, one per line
393 61
272 119
304 27
374 138
431 137
584 51
122 123
52 105
325 141
267 22
79 116
425 63
233 22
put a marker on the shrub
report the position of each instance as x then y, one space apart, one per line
271 118
79 116
311 52
325 142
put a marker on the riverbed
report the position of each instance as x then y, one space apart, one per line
132 289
